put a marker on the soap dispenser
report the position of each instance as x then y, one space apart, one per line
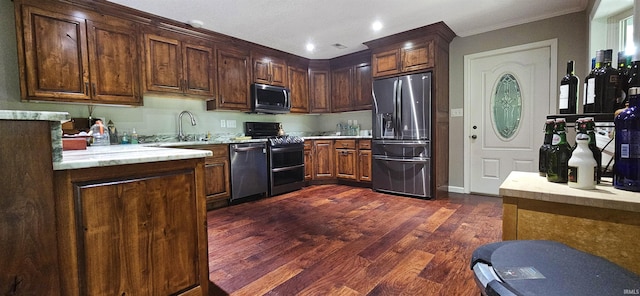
99 134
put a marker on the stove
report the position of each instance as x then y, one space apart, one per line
285 156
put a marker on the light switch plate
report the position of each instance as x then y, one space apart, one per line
223 123
457 112
231 123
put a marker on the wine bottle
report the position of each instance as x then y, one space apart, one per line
623 80
543 153
606 85
582 165
590 85
569 91
557 163
627 151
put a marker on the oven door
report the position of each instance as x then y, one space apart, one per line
287 156
407 176
286 168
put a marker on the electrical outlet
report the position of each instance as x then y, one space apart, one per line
457 112
231 123
223 123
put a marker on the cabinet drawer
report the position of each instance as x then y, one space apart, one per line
345 144
307 145
364 144
220 150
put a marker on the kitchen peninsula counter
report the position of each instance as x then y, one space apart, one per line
602 222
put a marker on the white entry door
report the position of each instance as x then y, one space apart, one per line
508 93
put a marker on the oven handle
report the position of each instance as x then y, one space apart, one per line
287 148
422 159
275 170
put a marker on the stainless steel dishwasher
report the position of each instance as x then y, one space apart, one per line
248 170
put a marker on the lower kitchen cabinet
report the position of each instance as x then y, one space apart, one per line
308 161
323 156
346 159
364 160
216 171
133 229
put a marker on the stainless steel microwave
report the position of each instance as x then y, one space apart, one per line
270 99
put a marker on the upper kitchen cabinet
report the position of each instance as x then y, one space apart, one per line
179 64
411 57
351 82
68 54
299 87
269 70
234 74
319 87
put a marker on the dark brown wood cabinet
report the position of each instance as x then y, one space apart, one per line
73 55
269 70
364 160
233 78
308 161
319 87
351 82
133 229
299 87
28 236
216 171
346 159
179 64
414 57
341 89
323 155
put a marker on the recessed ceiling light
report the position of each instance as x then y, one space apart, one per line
376 26
196 23
310 47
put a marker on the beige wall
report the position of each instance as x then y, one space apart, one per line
570 31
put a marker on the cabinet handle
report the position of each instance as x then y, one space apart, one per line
93 89
86 88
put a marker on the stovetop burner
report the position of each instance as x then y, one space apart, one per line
285 140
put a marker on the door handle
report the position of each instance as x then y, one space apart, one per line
474 137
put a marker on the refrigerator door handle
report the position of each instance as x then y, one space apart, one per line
398 111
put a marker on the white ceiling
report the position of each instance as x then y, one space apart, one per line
288 25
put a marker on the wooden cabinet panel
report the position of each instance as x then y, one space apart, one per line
323 153
341 89
346 159
55 56
386 63
176 65
418 57
269 70
308 161
132 226
364 160
114 71
362 87
233 79
319 91
28 228
299 87
198 70
217 177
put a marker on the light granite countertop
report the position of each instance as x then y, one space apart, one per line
529 185
101 156
33 115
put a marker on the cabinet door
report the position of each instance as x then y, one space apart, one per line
362 84
299 86
341 90
56 62
319 91
139 236
418 57
364 165
233 79
113 53
323 158
346 164
308 164
163 64
386 63
198 70
217 178
279 73
261 71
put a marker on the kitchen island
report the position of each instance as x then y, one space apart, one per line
603 222
112 220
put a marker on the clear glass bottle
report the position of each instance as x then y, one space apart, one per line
543 153
100 134
134 137
559 154
627 139
582 165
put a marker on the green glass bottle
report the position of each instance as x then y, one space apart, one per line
546 146
590 126
559 154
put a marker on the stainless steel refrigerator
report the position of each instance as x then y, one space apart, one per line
401 145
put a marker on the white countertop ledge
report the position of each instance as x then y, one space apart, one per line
101 156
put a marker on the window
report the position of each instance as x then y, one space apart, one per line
626 36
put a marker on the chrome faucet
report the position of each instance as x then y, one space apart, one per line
181 135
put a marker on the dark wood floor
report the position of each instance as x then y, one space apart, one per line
340 240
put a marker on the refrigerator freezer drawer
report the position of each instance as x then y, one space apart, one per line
402 149
410 176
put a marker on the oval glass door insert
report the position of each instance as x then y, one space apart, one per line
507 106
